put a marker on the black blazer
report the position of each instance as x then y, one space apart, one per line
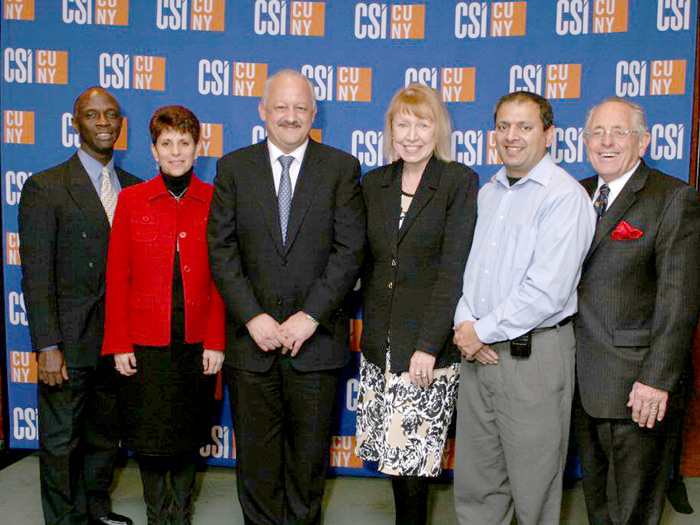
64 234
313 272
638 299
412 277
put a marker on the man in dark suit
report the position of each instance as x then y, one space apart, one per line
64 222
639 296
286 236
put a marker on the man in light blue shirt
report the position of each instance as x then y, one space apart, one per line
513 326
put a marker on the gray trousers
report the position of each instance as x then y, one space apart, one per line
513 432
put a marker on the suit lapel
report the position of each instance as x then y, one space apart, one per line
307 183
391 203
425 192
262 185
622 203
83 192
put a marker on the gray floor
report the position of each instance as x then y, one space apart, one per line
357 501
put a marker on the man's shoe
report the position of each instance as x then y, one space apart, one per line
111 519
678 496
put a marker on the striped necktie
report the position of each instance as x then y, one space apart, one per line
107 195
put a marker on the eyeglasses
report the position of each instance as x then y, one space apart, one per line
616 133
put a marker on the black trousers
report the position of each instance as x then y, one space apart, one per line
78 439
625 468
282 421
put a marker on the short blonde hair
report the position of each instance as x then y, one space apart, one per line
423 102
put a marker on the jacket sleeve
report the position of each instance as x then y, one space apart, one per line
117 338
38 229
215 338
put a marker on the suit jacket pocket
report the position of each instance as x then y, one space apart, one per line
144 227
632 337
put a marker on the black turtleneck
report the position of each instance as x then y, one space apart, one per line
177 185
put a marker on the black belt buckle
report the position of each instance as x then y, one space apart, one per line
521 348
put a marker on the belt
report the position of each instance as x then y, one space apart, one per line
561 323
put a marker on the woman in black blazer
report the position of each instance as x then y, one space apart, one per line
421 211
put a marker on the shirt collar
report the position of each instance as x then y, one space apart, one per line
540 173
94 166
276 153
619 183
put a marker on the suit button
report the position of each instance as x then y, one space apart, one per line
279 301
186 269
393 263
390 285
145 218
91 264
83 235
183 235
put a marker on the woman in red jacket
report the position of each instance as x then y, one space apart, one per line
165 319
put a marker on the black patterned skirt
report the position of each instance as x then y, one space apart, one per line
402 426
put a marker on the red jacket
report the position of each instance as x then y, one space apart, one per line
147 223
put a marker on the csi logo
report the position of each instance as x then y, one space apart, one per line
25 424
567 145
18 9
203 15
468 147
223 445
667 141
120 71
672 15
240 79
343 452
70 139
12 249
578 17
258 134
23 367
457 84
211 140
398 22
368 147
43 66
661 77
101 12
352 84
279 17
559 80
507 19
14 182
18 127
17 312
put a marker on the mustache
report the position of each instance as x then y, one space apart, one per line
295 123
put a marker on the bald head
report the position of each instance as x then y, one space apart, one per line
97 118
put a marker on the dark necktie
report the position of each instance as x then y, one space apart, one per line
601 203
284 195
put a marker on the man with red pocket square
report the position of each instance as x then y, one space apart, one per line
638 302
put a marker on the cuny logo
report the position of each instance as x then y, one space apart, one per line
475 147
457 84
305 18
667 141
18 126
560 81
507 19
673 15
240 79
211 140
343 452
353 84
664 77
12 249
14 182
407 21
106 12
578 17
70 139
41 66
17 312
25 424
18 9
204 15
116 72
23 367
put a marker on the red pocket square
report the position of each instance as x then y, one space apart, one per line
625 232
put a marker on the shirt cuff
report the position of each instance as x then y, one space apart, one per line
49 348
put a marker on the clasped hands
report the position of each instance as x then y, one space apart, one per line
290 335
471 346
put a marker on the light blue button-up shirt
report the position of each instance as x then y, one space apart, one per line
94 171
525 260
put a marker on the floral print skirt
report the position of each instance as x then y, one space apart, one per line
401 426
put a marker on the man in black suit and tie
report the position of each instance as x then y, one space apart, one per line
639 296
64 221
286 236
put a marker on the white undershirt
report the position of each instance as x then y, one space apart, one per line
615 185
294 168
